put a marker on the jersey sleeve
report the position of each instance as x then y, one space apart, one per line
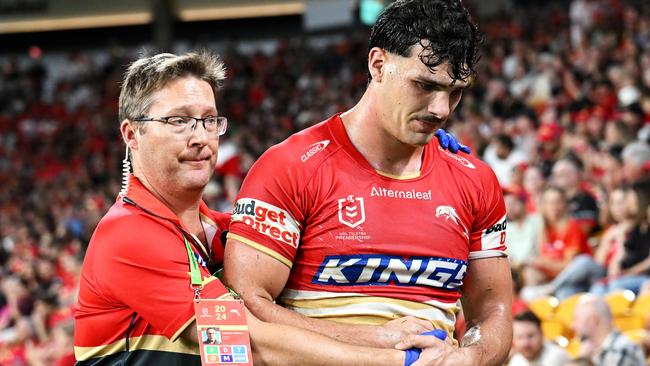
488 234
269 211
162 294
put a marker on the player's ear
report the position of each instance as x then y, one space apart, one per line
377 64
129 132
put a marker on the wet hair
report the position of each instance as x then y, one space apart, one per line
442 27
528 316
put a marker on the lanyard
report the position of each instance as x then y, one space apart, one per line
195 272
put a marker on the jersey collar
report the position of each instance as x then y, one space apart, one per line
337 129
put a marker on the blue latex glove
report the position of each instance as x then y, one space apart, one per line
412 354
449 142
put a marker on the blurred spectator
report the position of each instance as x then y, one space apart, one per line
57 352
612 168
584 269
630 268
636 161
567 174
522 232
529 346
550 147
518 304
502 157
561 239
599 340
534 184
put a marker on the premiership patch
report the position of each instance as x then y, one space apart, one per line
352 212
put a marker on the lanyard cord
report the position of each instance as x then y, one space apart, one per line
196 279
195 273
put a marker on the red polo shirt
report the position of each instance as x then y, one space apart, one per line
135 297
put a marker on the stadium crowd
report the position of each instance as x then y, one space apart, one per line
560 110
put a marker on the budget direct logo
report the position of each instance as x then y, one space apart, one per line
495 235
268 220
314 149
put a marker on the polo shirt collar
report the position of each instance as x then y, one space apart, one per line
139 194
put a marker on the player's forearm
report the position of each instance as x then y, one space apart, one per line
277 344
491 345
487 303
362 335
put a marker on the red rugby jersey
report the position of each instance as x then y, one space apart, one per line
364 246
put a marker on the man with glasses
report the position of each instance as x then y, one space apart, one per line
137 288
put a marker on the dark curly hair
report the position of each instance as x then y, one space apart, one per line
442 27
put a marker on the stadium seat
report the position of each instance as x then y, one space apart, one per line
544 307
565 311
552 329
641 307
620 302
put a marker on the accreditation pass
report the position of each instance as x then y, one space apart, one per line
223 332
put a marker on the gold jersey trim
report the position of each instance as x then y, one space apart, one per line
262 249
144 342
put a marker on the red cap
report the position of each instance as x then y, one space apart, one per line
549 132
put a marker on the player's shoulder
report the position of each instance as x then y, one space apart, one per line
467 165
305 149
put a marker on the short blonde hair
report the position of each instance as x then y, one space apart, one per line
147 75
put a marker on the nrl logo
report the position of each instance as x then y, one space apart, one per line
351 211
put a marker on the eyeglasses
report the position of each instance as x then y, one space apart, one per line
212 124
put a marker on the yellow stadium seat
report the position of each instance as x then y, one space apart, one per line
620 302
552 329
544 307
628 322
566 310
641 306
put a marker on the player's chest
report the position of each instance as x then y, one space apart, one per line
369 214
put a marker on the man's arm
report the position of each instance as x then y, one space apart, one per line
277 344
259 279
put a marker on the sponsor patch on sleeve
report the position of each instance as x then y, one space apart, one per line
494 236
267 219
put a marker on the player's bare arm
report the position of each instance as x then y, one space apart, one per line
259 279
276 344
487 303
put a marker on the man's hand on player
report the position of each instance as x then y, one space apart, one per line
395 330
450 142
434 351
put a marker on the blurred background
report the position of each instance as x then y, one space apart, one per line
560 110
